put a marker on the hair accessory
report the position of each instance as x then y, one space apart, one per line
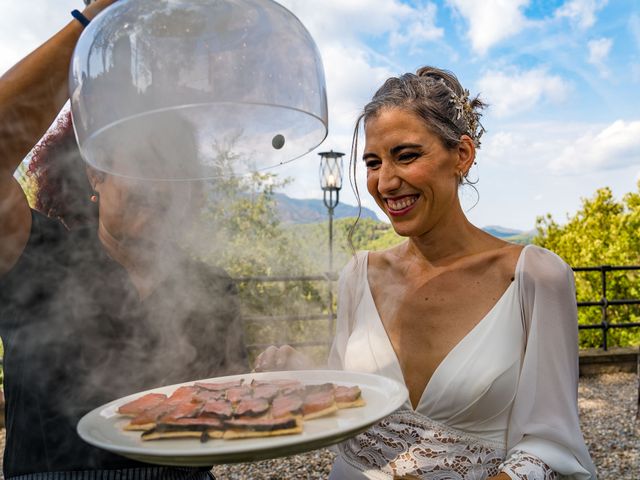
77 14
466 113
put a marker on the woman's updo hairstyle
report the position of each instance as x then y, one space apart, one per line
437 97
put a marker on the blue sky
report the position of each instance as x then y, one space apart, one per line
562 78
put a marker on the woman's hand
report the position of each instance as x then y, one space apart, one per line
282 358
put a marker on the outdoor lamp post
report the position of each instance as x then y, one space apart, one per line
331 183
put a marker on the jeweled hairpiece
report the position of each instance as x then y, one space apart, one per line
466 113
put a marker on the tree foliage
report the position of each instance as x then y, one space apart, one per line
604 231
240 231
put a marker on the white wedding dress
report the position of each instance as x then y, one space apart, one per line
503 400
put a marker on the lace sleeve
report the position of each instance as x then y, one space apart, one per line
524 466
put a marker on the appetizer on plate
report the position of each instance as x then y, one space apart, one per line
236 409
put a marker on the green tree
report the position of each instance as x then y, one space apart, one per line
241 232
603 231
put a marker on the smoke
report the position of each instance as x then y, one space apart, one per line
145 292
149 294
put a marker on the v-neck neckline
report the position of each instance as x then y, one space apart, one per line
447 357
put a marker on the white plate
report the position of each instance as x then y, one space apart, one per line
102 427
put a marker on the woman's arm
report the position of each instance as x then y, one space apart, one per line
543 437
31 95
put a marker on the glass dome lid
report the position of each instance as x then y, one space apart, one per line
191 89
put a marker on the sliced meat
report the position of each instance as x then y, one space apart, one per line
182 394
285 386
347 397
324 387
186 409
268 392
220 386
141 404
251 407
208 395
148 418
217 408
319 404
234 395
286 405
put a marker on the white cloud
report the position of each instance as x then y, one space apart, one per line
598 52
491 21
527 146
581 13
344 21
422 29
351 82
513 92
616 146
20 37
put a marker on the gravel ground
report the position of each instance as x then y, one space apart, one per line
608 406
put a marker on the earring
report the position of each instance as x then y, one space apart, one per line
94 197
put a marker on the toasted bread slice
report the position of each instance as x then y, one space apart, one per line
321 413
235 434
355 403
159 435
348 397
139 427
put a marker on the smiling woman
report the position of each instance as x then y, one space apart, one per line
482 332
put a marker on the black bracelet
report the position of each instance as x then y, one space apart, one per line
77 14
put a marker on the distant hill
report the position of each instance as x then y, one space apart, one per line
501 232
311 210
307 211
510 234
524 238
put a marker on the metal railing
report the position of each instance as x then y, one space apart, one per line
604 303
327 315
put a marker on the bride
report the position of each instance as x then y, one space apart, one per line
482 332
